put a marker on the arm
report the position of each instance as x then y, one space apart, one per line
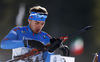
11 40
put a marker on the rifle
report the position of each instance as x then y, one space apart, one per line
37 51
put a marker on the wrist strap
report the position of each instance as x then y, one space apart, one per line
25 43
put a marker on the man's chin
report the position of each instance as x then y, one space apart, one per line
37 32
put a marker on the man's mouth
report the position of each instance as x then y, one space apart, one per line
37 30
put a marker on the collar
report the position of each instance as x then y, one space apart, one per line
32 31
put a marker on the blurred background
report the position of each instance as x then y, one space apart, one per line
65 17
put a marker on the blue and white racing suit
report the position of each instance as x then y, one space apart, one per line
15 41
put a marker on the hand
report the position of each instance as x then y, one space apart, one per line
55 43
53 40
36 44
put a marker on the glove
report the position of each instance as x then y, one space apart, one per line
55 43
36 44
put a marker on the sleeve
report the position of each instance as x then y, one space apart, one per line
48 37
11 41
46 54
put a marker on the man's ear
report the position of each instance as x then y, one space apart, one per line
29 20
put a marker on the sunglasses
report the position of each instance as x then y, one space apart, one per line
41 15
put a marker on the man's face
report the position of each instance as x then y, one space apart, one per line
36 26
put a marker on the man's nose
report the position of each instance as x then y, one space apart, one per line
39 26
